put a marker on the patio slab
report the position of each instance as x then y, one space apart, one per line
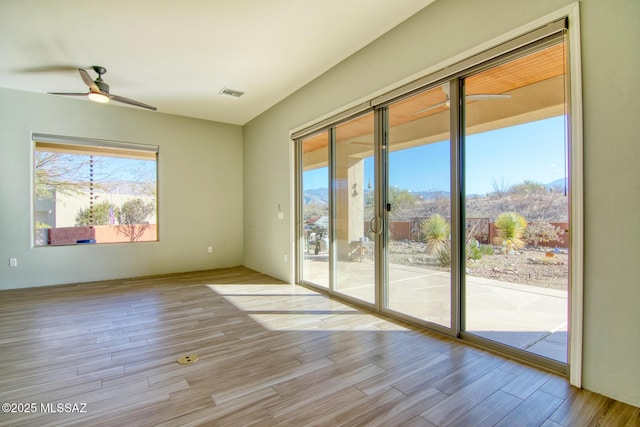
526 317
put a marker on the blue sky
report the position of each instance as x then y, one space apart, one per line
533 151
123 169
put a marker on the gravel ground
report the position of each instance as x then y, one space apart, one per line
541 267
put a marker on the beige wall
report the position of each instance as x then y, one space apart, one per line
443 30
610 40
200 192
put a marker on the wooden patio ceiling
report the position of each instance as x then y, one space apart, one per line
535 83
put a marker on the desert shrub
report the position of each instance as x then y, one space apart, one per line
443 255
435 232
510 227
528 187
541 232
475 251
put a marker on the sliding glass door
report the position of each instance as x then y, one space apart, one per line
418 218
354 187
314 184
447 204
516 204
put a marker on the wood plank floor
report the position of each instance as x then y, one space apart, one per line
271 354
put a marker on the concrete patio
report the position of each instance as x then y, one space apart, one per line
526 317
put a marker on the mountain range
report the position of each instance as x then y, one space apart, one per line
321 195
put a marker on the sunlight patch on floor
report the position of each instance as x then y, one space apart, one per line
308 310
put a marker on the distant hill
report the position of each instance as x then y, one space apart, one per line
482 204
432 195
321 195
317 195
558 184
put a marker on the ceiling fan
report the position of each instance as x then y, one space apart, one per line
474 97
99 90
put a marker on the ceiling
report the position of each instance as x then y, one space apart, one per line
178 55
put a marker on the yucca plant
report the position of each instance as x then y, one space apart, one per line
435 232
443 255
510 227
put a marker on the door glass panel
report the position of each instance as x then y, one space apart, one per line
419 194
354 187
516 204
315 210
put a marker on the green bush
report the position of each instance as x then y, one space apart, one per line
475 251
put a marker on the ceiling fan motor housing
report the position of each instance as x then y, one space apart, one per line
99 82
102 85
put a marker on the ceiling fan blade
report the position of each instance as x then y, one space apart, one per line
47 69
86 78
131 102
433 107
472 97
69 93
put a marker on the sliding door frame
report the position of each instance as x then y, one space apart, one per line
381 179
535 46
458 268
382 126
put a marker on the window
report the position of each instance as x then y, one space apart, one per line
93 191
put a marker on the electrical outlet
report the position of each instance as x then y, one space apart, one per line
13 262
210 249
286 258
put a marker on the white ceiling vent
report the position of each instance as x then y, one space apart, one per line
231 92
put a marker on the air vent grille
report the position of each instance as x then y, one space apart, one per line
231 92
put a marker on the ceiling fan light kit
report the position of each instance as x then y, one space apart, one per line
98 97
99 90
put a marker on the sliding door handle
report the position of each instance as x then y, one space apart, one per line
377 224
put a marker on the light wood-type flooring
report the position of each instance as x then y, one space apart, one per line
270 354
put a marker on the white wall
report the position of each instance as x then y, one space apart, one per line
610 62
441 31
199 197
